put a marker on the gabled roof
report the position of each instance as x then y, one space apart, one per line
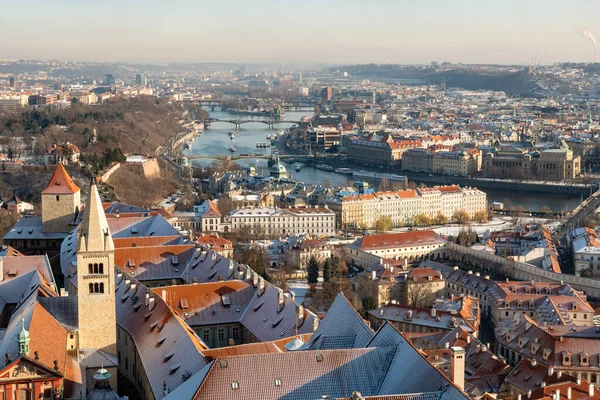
341 327
61 182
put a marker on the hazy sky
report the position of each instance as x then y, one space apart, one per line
328 31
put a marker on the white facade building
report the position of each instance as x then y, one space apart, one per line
317 221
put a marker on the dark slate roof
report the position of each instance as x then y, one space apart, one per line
301 374
263 320
342 327
63 309
121 208
409 363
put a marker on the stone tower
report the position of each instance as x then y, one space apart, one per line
96 307
60 202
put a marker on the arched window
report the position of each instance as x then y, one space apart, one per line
101 287
91 288
101 268
91 269
95 268
96 288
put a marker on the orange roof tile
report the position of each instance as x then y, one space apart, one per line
243 350
61 182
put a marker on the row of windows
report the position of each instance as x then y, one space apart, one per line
96 268
235 334
96 288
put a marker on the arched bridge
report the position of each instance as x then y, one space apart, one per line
239 122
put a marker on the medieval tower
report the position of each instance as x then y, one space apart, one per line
95 279
60 202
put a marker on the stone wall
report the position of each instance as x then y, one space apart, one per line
515 270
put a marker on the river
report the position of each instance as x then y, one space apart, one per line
215 141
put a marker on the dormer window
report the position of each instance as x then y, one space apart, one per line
546 354
527 290
566 358
584 359
519 304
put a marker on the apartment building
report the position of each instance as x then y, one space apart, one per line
402 206
442 160
316 221
550 164
586 249
374 250
546 303
376 149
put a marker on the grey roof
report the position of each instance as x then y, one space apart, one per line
266 323
408 362
15 290
31 228
121 208
156 333
341 327
63 309
300 374
188 389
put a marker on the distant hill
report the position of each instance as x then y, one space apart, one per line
511 82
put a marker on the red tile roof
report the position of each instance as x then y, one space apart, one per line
61 182
403 239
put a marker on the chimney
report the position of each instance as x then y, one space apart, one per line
529 394
569 393
391 269
299 316
591 390
519 397
558 394
558 374
457 367
254 279
230 268
151 304
533 362
578 381
280 300
163 295
373 275
433 312
261 286
1 270
468 339
550 371
146 301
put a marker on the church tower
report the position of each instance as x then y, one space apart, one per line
95 279
60 202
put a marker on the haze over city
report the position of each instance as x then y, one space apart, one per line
334 32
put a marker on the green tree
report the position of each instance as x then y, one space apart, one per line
313 270
383 224
327 269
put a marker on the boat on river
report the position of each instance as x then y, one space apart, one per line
232 149
298 167
344 171
324 167
232 134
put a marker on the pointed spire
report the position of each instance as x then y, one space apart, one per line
94 234
61 182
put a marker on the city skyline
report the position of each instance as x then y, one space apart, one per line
271 32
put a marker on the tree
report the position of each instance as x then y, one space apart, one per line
420 295
440 219
480 216
466 237
460 216
327 269
313 270
384 185
422 220
383 224
546 210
